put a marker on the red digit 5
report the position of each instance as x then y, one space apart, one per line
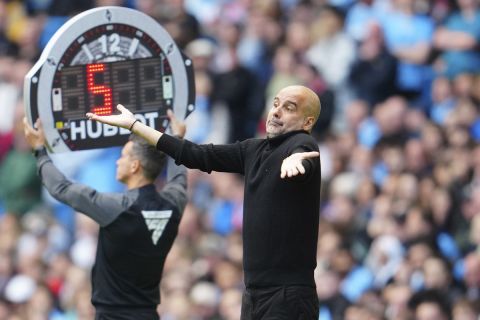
99 89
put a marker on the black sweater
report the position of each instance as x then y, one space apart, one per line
280 221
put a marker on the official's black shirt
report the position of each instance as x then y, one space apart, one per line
137 230
281 216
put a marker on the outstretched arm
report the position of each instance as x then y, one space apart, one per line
292 166
225 158
127 120
101 207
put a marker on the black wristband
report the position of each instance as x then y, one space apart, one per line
39 151
131 127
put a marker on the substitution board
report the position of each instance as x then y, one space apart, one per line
98 59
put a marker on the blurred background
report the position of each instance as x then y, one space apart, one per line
399 134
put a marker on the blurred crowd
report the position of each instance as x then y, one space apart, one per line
399 132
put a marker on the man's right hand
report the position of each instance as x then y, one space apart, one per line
124 120
34 136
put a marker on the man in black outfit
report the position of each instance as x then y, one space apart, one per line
137 227
281 204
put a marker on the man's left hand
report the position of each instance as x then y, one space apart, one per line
178 127
292 165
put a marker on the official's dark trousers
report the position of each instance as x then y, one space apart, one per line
280 303
125 314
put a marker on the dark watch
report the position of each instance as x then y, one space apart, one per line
39 151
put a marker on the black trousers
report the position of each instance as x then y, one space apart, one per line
126 314
280 303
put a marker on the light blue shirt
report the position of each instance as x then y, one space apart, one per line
404 31
466 60
358 18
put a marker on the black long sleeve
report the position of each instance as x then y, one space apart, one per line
208 158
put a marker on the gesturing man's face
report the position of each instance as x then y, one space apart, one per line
289 112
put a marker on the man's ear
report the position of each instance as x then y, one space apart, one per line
308 124
135 166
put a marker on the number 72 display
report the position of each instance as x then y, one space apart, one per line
98 59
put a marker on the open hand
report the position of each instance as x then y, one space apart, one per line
124 120
292 165
34 136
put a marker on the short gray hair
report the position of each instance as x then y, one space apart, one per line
151 159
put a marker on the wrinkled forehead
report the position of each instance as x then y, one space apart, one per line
293 94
